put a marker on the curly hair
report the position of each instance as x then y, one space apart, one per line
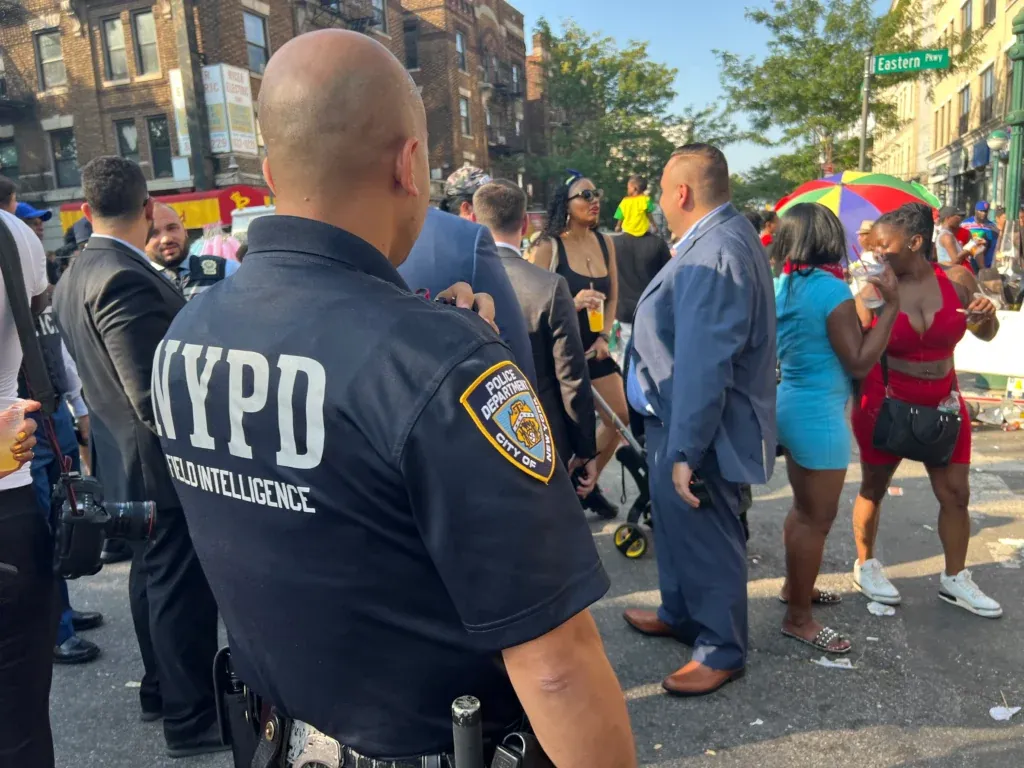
114 187
912 219
558 211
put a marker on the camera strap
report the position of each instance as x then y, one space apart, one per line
37 377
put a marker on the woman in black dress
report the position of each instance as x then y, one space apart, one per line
572 247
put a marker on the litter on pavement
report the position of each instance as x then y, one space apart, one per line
759 721
1003 713
927 527
871 639
133 684
824 661
877 609
895 490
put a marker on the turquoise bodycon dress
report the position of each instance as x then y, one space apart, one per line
815 387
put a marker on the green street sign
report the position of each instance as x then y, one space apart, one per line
911 61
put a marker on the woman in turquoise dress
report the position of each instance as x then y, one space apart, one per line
821 348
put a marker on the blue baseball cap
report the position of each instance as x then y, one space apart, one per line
25 211
981 206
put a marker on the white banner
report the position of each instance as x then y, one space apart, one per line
216 109
238 97
180 115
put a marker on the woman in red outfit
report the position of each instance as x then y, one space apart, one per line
935 304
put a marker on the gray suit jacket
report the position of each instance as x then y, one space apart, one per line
563 383
113 309
712 311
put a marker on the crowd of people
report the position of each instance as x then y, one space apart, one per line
337 424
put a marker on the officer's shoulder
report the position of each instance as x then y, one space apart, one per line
438 331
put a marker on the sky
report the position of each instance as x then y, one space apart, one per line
682 34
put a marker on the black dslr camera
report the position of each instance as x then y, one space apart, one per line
84 520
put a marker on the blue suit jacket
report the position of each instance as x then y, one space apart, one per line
712 308
451 250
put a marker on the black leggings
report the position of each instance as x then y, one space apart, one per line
28 623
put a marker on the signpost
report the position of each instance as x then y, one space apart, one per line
894 64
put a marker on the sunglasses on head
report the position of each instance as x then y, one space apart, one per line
589 195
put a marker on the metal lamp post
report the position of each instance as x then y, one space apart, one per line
996 143
1016 117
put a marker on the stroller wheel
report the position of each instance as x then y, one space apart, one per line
631 541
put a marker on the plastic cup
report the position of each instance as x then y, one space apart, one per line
869 294
12 414
596 317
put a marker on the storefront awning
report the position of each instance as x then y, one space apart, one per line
197 209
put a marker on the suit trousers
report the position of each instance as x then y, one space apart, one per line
702 559
28 621
175 620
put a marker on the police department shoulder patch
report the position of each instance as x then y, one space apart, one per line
209 267
503 406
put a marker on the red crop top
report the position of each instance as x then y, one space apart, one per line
938 341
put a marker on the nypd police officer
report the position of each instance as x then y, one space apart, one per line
167 249
370 483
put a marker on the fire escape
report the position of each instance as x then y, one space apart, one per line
16 96
357 15
505 125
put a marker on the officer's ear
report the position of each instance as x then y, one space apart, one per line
267 175
87 212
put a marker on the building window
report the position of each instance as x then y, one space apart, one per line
965 110
988 94
65 158
515 79
380 15
127 139
147 62
460 50
51 60
467 126
9 159
519 126
160 147
990 12
966 17
256 41
114 51
411 27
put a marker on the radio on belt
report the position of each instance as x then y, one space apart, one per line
518 750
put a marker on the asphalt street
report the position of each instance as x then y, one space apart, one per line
918 696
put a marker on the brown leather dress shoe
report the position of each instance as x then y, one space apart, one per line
695 679
647 623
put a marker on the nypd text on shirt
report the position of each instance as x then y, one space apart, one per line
248 383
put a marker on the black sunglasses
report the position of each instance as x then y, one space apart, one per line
589 195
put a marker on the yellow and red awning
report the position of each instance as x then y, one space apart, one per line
197 209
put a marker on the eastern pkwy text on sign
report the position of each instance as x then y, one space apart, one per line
910 61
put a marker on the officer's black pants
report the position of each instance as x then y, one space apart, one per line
176 624
28 622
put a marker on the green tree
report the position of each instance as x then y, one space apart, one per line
808 86
767 183
609 109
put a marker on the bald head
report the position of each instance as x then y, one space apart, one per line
334 105
168 239
346 138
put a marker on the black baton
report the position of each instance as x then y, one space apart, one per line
468 732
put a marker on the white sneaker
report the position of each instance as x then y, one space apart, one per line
961 591
870 580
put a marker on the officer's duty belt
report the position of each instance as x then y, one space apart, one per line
288 743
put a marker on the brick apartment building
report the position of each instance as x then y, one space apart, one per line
82 78
469 59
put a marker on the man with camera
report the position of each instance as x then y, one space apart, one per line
113 308
27 593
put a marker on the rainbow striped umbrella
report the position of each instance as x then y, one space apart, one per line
855 196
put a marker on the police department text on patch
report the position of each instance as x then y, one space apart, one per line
502 404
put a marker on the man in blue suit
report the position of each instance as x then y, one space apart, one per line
702 367
452 248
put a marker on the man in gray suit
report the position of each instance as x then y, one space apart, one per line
563 384
703 370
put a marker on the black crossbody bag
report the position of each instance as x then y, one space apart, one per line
915 432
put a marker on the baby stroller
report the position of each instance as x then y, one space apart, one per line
630 538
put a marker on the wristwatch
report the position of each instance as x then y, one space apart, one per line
604 336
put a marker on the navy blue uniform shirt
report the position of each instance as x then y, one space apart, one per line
371 488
